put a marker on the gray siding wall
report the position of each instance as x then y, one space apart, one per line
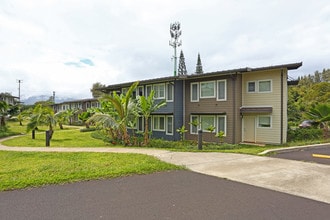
230 108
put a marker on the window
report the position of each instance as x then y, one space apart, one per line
139 91
207 89
251 86
124 91
221 126
206 122
264 121
194 87
169 125
148 90
222 90
194 124
265 86
159 91
140 124
169 92
159 123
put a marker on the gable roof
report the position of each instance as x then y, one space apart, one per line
290 66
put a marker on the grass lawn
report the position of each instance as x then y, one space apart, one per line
30 169
61 138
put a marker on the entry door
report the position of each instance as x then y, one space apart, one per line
249 128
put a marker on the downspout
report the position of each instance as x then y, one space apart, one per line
184 103
282 103
234 108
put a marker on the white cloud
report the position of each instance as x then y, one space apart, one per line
128 40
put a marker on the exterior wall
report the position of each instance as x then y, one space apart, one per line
173 108
83 104
11 100
257 99
211 106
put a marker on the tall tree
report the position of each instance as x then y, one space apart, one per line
182 65
95 90
146 106
199 67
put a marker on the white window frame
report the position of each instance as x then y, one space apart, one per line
124 90
264 116
266 80
225 90
157 91
138 123
156 118
201 122
214 90
148 87
169 88
197 92
138 90
192 126
255 86
167 126
225 125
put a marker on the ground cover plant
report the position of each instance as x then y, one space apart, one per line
30 169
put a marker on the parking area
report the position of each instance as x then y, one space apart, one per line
306 154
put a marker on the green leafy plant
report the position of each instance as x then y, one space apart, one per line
211 128
220 135
182 130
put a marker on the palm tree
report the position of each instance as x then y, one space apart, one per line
121 112
61 117
321 114
42 115
146 106
3 113
84 116
70 113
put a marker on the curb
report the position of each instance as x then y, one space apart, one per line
295 148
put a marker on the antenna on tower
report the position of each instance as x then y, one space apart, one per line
19 81
175 32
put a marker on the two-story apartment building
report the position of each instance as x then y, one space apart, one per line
9 99
247 104
80 104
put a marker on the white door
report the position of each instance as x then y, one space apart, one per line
249 129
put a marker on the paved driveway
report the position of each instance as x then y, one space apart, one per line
165 195
309 180
306 154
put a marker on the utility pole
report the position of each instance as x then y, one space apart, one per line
54 97
19 81
174 42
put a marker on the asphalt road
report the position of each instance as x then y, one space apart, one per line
165 195
306 154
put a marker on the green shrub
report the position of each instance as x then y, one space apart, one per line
304 134
88 129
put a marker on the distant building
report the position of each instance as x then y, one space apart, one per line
9 99
81 104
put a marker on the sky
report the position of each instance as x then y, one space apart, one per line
67 45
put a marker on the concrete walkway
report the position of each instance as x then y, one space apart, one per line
303 179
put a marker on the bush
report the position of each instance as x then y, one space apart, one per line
304 134
88 129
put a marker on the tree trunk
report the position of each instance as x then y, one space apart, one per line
146 132
2 121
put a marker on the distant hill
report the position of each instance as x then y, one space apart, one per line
33 99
